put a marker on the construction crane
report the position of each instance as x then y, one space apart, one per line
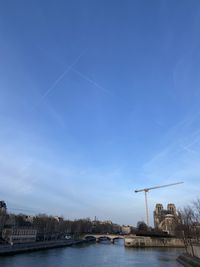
146 190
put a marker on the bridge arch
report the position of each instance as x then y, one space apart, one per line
103 237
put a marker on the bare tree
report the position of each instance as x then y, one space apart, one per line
196 224
189 227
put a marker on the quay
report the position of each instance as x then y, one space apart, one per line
188 260
147 241
191 258
43 245
35 246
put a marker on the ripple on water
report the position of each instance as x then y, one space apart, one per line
99 255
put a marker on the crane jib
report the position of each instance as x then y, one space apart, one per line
155 187
146 190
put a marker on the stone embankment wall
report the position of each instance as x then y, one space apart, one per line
27 247
194 250
188 261
144 241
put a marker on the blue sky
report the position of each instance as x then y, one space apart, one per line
97 99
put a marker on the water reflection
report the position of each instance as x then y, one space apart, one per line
99 255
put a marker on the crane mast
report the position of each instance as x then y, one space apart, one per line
146 190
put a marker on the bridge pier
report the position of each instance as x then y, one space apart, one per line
105 237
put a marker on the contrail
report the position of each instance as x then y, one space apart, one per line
67 70
55 83
90 81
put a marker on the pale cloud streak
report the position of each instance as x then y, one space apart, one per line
58 80
178 160
95 84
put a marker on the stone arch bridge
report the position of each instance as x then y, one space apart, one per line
103 237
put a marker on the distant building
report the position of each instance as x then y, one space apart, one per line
3 215
106 222
3 206
166 219
58 219
29 218
116 228
101 222
126 230
19 235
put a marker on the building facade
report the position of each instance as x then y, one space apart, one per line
3 206
126 229
166 219
3 215
19 235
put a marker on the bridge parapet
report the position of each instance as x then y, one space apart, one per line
104 237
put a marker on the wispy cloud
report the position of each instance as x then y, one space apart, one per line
178 160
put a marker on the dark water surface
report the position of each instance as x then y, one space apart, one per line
95 255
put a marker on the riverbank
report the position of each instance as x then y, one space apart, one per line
188 261
29 247
146 241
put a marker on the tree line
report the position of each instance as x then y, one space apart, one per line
52 228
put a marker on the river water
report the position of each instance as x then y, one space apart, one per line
95 255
